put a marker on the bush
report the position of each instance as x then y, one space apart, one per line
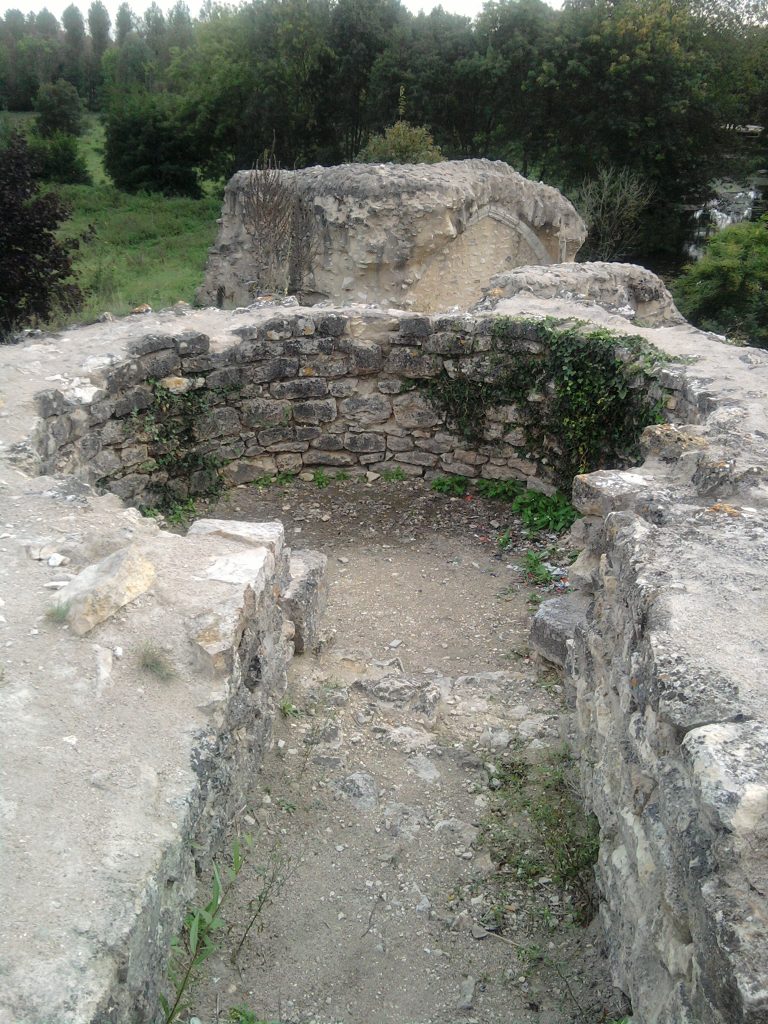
35 267
727 290
612 203
58 159
59 109
401 143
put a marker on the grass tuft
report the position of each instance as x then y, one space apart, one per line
155 662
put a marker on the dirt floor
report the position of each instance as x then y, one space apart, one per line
373 893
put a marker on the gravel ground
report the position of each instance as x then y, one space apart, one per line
382 904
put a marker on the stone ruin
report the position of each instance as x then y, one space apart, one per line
425 237
109 786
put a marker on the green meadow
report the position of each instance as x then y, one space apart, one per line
135 249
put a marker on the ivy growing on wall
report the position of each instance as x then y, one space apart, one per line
581 397
169 429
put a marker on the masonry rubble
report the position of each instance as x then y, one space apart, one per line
664 661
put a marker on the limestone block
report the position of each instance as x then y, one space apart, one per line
312 387
411 362
366 409
217 422
365 442
319 411
555 623
316 457
437 230
610 490
101 589
413 409
150 343
259 412
304 601
243 471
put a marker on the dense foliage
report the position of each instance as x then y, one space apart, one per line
35 266
727 289
640 85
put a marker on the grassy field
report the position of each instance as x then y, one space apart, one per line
141 249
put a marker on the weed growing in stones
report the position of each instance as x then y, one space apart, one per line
536 570
242 1015
538 828
320 478
499 490
156 663
341 476
288 709
453 485
57 613
271 879
393 475
181 513
198 941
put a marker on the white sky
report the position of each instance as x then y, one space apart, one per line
469 8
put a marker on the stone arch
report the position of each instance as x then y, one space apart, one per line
503 216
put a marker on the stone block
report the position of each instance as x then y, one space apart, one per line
316 457
415 458
364 356
243 471
411 362
413 409
275 435
366 442
191 343
330 366
228 378
312 387
135 400
100 590
315 412
329 442
273 369
304 601
159 364
448 465
217 423
555 623
259 412
149 344
366 409
609 490
332 326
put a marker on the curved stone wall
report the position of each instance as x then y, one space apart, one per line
306 391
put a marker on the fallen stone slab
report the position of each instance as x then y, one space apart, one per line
554 624
101 589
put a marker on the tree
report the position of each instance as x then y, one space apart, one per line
147 148
98 25
727 289
58 159
124 23
75 70
35 266
58 109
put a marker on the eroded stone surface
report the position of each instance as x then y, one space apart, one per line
419 236
622 288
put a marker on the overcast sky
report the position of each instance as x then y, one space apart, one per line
467 7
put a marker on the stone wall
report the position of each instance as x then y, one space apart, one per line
663 647
313 390
424 236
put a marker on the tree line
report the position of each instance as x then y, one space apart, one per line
640 86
